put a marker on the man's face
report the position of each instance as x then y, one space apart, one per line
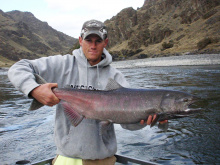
92 47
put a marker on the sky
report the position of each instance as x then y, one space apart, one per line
68 16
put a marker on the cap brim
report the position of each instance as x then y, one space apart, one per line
92 32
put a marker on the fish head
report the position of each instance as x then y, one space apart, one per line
179 102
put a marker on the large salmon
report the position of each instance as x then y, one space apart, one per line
121 105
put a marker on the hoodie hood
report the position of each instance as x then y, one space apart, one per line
92 72
106 60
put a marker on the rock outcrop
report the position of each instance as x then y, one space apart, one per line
165 27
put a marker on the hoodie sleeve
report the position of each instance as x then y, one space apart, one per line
21 76
21 73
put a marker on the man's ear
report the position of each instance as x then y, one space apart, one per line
80 41
106 42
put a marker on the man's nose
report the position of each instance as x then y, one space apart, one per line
93 45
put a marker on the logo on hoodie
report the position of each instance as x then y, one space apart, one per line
83 87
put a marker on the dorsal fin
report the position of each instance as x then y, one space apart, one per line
112 84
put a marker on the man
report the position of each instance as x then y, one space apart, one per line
88 68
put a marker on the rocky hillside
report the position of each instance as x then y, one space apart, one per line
158 28
165 27
22 35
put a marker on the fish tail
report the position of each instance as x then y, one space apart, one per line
36 104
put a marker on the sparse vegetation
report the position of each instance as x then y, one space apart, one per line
166 28
24 36
209 13
206 41
167 45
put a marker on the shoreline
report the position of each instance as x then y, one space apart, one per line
183 60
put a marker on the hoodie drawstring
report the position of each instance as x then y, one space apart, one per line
99 85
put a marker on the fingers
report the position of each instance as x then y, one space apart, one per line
151 119
50 98
53 85
45 95
163 122
53 100
142 122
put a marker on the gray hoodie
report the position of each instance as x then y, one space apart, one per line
83 141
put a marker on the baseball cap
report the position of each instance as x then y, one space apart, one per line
94 27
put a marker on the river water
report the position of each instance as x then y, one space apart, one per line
192 140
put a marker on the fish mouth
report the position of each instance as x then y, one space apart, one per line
194 105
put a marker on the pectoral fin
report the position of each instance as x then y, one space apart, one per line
71 114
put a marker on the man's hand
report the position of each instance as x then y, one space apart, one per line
45 95
151 119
